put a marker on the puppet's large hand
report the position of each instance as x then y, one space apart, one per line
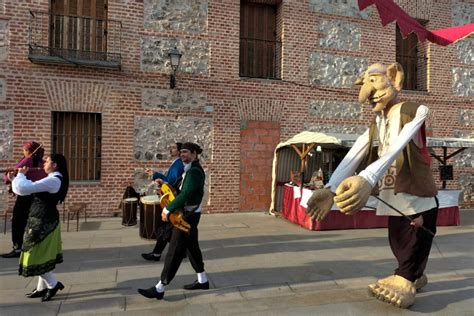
352 194
319 204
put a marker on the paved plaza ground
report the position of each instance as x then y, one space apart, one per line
257 265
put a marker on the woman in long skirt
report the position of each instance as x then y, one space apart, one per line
42 239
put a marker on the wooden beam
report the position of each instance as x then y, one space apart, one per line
298 151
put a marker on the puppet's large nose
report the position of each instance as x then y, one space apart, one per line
366 92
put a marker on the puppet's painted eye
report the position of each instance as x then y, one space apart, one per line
372 79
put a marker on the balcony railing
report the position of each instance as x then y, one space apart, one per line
74 40
260 58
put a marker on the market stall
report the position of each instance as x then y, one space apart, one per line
302 156
290 199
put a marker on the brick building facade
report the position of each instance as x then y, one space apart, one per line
121 76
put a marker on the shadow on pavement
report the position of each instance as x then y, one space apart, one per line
438 295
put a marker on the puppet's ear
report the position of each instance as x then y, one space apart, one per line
396 75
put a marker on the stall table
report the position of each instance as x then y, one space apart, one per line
294 210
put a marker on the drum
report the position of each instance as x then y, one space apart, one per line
129 211
150 216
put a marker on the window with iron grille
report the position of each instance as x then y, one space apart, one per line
75 32
260 49
412 56
78 136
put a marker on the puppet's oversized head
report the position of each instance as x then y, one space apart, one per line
380 85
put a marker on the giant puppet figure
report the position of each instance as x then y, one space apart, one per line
400 169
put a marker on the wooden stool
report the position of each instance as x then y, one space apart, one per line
75 209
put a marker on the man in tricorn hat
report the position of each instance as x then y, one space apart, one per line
189 200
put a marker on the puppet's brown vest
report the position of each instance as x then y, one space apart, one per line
413 168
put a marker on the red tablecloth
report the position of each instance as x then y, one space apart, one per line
294 212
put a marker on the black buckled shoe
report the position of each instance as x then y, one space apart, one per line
197 286
15 253
151 256
50 293
36 293
151 293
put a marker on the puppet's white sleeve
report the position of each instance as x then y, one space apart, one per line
351 161
377 169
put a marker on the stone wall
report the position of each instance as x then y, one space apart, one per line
463 78
340 35
466 181
336 129
6 134
3 39
175 15
334 70
463 85
154 54
463 82
464 161
339 7
335 109
179 100
465 50
463 12
466 117
153 135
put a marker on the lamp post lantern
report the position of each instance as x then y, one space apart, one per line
175 57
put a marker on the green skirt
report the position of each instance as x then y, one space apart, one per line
43 256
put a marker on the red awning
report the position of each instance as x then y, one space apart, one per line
390 12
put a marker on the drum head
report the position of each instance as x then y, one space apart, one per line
150 199
131 200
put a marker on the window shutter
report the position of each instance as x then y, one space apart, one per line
101 8
258 42
86 8
79 25
72 7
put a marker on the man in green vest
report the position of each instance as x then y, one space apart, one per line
400 169
189 201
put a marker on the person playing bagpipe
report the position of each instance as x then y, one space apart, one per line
187 203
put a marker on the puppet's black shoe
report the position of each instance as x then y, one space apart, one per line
36 293
151 256
151 293
197 286
50 293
